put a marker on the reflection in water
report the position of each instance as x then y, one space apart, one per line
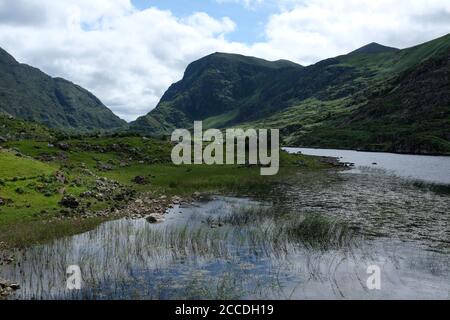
229 248
435 169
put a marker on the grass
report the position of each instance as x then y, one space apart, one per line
31 193
13 166
434 187
26 233
283 228
319 232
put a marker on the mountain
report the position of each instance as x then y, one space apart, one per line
215 89
28 93
373 48
409 113
374 98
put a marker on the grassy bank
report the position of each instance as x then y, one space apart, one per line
104 173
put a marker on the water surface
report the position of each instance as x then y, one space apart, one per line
427 168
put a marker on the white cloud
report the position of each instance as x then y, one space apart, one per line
249 4
128 58
310 30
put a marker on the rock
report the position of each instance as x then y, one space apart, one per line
46 157
63 146
104 166
141 180
69 202
176 200
154 218
2 202
6 287
50 145
87 194
14 286
3 139
61 177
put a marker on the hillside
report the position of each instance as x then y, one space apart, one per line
214 89
28 93
375 98
12 129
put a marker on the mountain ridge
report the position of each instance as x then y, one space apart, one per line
29 94
374 48
244 91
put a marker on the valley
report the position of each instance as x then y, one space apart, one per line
80 186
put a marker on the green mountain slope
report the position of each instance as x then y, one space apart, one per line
214 89
29 94
376 98
16 129
410 114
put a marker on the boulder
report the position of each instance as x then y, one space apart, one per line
104 166
154 218
63 146
69 202
141 180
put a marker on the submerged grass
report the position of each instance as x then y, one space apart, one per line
434 187
249 254
320 232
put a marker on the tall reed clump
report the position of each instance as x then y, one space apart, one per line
319 232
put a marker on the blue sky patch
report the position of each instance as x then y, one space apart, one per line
250 22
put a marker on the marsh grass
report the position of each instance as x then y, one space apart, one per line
320 232
433 187
277 225
21 235
250 254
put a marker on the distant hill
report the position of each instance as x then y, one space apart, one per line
374 98
374 48
28 93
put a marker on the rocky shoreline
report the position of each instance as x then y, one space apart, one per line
149 206
6 287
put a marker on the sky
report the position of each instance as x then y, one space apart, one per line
128 52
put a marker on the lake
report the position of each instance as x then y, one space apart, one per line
435 169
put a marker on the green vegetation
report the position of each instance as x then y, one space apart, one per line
29 94
375 98
99 173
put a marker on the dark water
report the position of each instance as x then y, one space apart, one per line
427 168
